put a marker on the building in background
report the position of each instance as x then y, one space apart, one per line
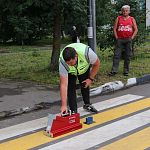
147 13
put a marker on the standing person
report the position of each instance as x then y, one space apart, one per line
74 35
125 29
77 60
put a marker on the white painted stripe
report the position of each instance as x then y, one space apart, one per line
102 134
22 128
33 125
112 102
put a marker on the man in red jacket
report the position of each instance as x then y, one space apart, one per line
125 29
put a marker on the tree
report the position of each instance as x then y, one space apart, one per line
24 21
70 9
56 35
6 8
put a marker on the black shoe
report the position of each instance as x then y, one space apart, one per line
125 74
90 108
112 73
74 111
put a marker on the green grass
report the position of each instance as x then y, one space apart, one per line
13 49
32 63
139 65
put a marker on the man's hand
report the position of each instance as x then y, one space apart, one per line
87 83
63 110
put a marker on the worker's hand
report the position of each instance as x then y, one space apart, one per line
63 110
86 83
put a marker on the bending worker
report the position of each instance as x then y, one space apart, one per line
77 60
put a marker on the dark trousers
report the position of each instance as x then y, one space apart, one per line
126 45
72 98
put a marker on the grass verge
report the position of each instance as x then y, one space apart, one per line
32 63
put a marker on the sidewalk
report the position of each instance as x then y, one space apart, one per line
16 95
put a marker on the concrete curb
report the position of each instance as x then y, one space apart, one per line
104 89
107 88
118 85
19 111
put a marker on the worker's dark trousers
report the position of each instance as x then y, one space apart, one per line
126 45
72 98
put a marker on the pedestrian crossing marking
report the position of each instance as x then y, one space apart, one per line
40 123
101 135
136 141
36 139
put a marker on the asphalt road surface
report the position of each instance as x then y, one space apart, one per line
123 122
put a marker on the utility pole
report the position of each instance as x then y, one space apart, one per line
91 24
94 23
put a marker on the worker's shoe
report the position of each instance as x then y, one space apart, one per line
74 112
90 108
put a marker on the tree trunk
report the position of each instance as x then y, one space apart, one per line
56 41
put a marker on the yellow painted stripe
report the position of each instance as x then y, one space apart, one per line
36 139
137 141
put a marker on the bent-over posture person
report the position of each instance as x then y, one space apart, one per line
77 60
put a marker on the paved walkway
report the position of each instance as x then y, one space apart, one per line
16 95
